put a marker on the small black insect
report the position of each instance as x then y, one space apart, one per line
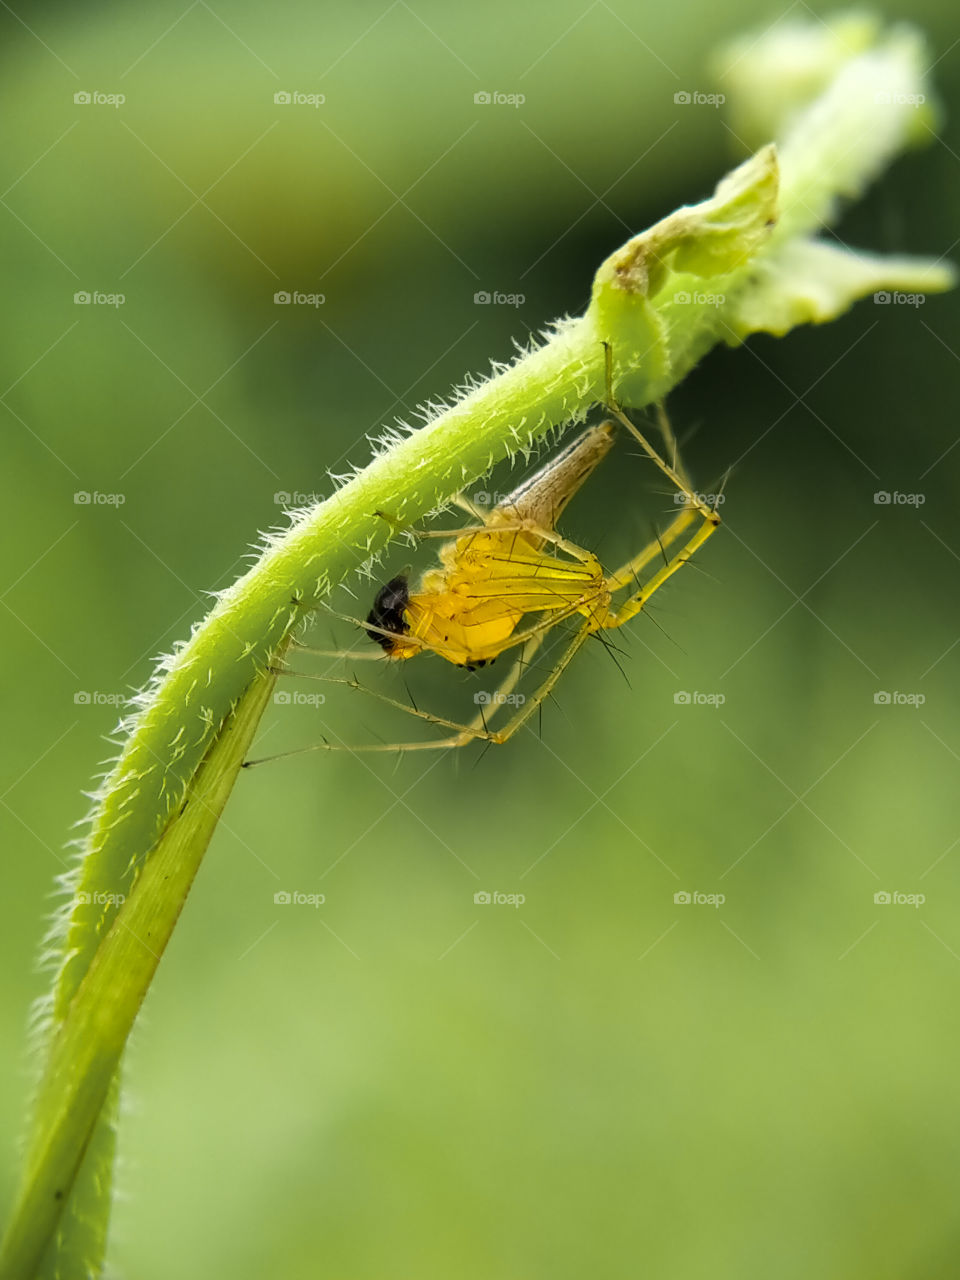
387 612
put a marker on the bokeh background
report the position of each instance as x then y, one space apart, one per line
403 1081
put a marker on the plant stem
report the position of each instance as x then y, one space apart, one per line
88 1046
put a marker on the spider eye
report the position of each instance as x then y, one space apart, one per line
388 612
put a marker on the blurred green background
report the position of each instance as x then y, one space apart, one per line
401 1081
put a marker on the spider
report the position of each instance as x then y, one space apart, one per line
506 580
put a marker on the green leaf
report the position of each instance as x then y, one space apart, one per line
811 282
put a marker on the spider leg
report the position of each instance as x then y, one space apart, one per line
463 734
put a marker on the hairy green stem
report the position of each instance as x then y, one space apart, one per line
89 1043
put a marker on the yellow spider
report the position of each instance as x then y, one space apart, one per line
512 565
